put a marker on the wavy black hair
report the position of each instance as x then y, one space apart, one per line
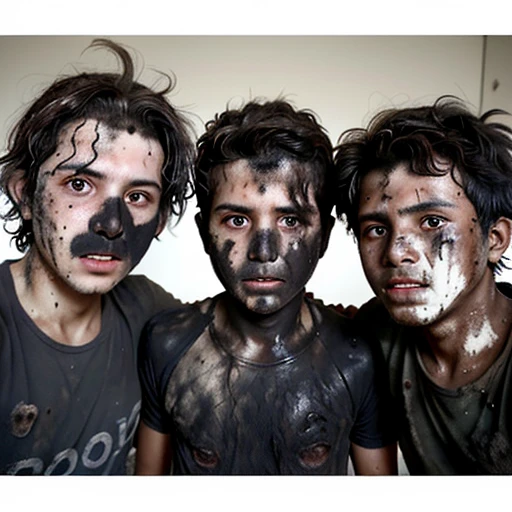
265 133
480 150
116 100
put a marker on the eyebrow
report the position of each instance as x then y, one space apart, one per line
232 207
427 205
87 171
244 209
382 217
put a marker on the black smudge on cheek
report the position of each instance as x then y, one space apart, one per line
301 259
41 213
112 231
439 241
221 263
140 238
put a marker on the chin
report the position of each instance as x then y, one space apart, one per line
412 316
95 287
263 305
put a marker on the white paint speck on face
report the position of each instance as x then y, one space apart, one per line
480 337
446 283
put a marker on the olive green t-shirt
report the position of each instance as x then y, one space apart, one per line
445 432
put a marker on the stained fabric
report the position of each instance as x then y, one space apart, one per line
297 415
72 410
466 431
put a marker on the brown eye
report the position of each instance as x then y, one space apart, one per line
433 222
78 185
236 221
291 222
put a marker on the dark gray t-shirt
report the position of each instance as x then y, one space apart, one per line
72 410
226 415
467 431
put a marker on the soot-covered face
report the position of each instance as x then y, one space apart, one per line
264 234
96 207
420 242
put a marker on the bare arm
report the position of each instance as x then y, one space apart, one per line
378 461
153 452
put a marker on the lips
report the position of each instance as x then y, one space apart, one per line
99 263
405 290
264 283
404 284
101 257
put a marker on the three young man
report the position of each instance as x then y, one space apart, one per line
427 192
93 170
260 379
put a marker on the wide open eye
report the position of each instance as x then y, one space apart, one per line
236 221
433 222
137 198
78 185
375 231
290 221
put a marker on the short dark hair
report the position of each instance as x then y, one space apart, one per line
265 133
111 98
479 149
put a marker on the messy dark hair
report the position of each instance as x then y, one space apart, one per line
265 133
116 100
480 150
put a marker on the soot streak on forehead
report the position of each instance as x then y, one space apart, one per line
112 231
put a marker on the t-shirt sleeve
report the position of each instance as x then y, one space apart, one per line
375 420
153 380
164 341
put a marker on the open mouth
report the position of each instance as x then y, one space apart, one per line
405 286
101 257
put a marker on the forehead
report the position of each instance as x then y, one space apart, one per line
84 142
289 179
400 186
86 132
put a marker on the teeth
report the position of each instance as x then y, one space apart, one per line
406 285
99 258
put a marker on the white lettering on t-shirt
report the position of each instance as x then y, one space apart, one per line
125 432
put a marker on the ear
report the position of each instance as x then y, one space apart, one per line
327 234
499 238
16 188
203 232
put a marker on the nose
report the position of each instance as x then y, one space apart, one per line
109 221
263 246
399 251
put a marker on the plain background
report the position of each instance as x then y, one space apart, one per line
345 80
270 17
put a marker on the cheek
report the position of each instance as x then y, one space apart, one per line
139 239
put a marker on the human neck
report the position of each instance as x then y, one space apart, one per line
263 339
460 348
62 313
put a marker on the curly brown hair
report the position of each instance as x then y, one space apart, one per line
264 133
114 99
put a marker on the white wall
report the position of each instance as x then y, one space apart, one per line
343 79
